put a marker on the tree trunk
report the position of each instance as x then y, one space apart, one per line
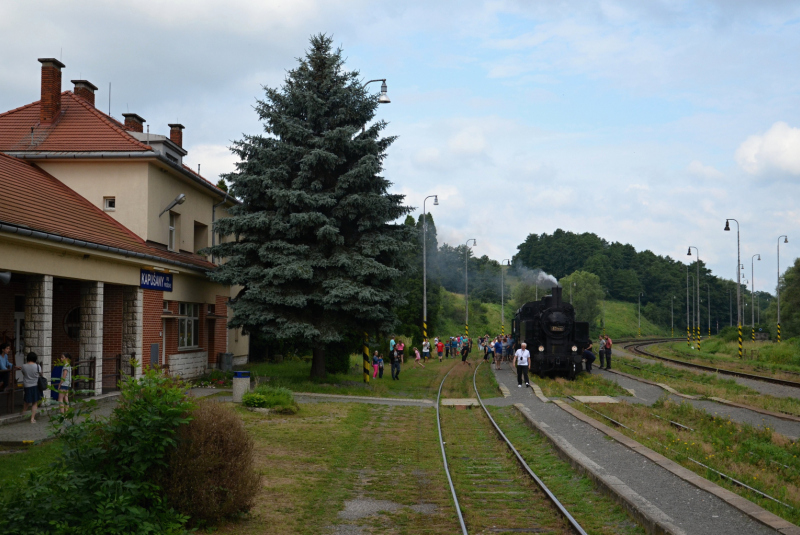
318 362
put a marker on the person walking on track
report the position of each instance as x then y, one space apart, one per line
416 358
395 365
498 353
608 353
522 360
601 350
426 350
465 354
440 349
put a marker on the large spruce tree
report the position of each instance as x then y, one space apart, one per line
313 243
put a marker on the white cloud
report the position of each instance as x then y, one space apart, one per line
214 160
699 169
777 149
468 142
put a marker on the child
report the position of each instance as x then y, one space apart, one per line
380 366
375 365
66 383
416 357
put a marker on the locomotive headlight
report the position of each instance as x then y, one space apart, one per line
541 349
574 349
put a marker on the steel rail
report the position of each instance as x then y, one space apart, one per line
574 523
444 458
637 349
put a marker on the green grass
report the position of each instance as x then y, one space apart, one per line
14 465
585 384
622 321
485 319
278 398
328 453
415 381
761 458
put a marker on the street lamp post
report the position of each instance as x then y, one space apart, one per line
697 281
672 315
574 284
730 307
778 290
753 294
694 307
640 313
466 282
688 332
425 264
738 280
708 289
502 298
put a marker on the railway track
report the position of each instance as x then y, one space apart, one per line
637 348
484 481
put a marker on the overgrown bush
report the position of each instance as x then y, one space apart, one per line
106 480
211 474
278 398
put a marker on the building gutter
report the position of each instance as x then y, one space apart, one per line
132 155
13 229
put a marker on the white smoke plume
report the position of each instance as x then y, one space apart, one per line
536 277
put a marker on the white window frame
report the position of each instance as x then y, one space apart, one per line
188 326
106 207
171 239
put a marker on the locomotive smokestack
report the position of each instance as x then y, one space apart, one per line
557 295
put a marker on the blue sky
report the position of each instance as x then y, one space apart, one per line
645 122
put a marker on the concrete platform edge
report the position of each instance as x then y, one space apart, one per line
753 510
652 519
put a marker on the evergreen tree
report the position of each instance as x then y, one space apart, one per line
314 249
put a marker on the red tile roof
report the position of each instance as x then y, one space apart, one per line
37 200
80 128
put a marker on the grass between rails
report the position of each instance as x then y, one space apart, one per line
315 461
707 385
724 355
415 381
761 458
593 510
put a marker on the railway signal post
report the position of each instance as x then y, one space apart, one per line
365 351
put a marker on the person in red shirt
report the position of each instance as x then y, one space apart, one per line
440 349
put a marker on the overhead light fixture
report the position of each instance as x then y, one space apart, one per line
436 200
180 199
384 98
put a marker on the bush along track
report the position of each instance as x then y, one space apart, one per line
496 495
727 453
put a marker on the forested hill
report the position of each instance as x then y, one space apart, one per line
625 273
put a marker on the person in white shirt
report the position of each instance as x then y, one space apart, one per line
522 360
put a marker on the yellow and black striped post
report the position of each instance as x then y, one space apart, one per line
779 333
698 338
740 340
424 330
503 329
754 334
709 332
367 366
466 329
640 332
688 337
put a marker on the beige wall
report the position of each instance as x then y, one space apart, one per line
126 181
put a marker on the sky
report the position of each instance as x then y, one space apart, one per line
645 122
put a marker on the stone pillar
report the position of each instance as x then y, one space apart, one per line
39 320
91 334
132 314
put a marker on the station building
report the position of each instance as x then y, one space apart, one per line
101 230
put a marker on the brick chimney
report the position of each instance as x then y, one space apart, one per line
133 122
85 89
50 106
176 134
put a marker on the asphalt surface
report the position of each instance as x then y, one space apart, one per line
648 394
693 510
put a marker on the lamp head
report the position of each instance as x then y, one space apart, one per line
436 200
786 239
384 98
727 225
759 258
180 199
689 252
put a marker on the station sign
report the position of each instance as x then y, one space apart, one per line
151 280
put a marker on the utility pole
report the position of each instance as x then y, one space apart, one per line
425 264
753 295
502 299
778 290
738 280
466 282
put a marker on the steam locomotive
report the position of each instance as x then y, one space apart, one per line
555 340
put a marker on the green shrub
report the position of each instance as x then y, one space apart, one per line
106 479
211 474
278 398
